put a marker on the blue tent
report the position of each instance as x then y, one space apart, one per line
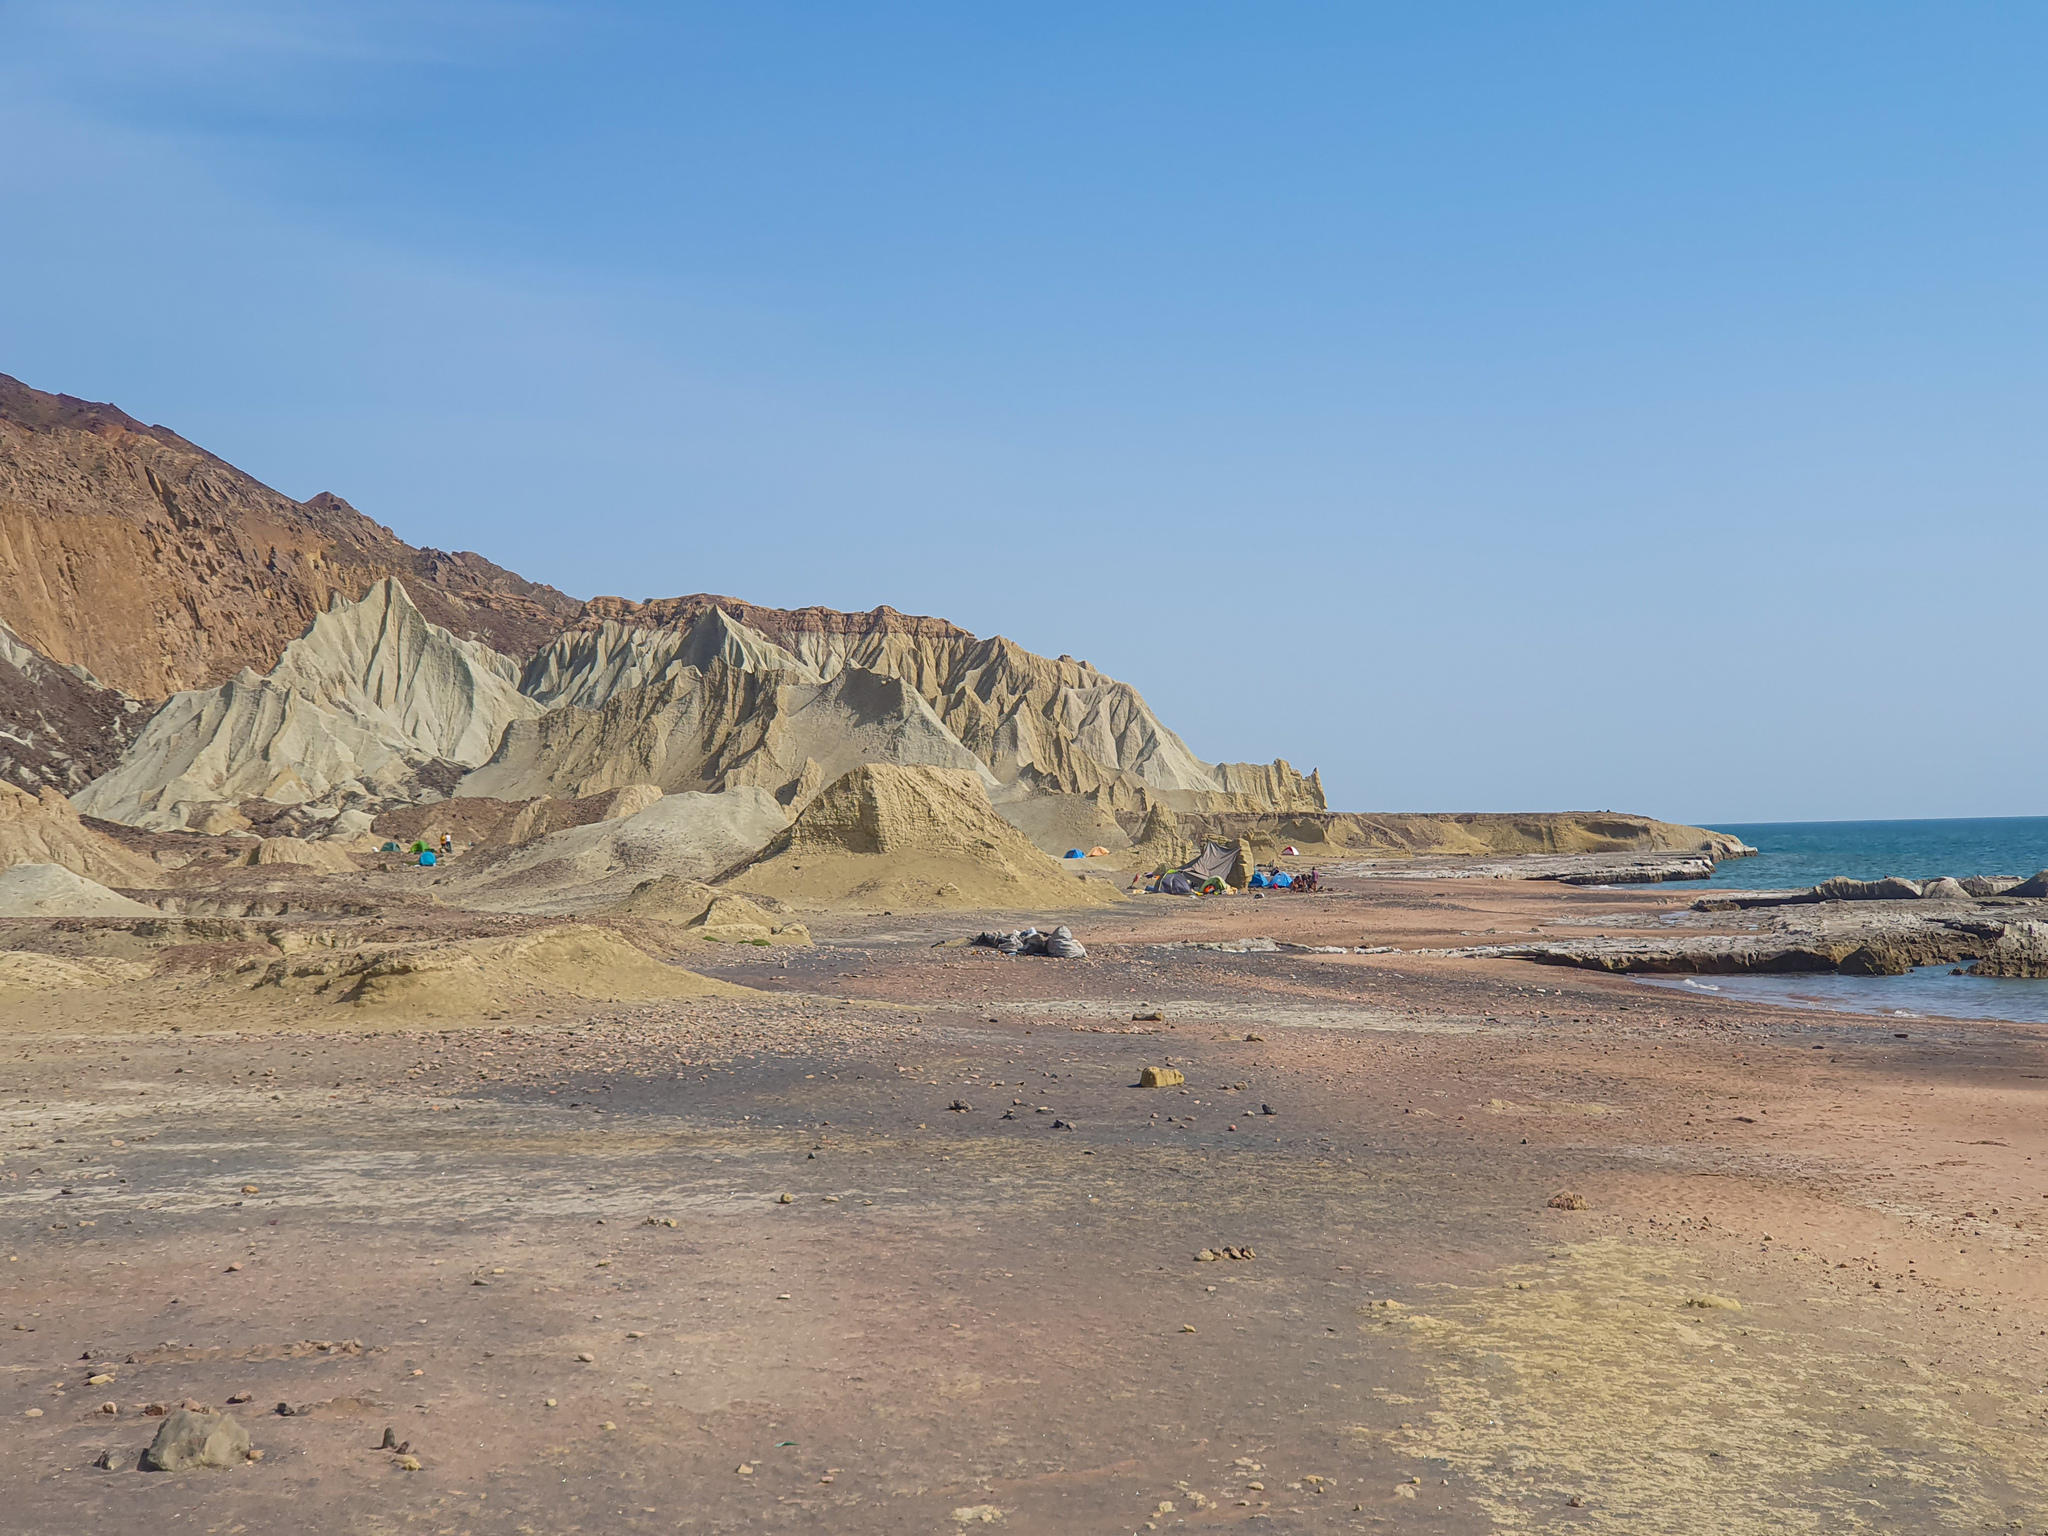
1076 853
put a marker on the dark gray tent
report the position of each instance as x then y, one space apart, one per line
1212 863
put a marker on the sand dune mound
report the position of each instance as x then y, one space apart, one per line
910 838
45 829
480 975
50 890
23 971
587 868
712 913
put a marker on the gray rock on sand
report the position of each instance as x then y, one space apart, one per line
1944 889
189 1439
1064 946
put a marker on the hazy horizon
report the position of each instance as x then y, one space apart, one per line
1495 409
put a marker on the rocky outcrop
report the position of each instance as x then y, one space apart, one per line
159 568
2020 950
372 705
45 828
60 728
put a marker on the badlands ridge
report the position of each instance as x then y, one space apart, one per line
187 654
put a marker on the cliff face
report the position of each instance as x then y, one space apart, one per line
1039 725
158 567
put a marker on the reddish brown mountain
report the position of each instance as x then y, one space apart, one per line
156 566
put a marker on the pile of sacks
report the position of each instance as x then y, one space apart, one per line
1060 944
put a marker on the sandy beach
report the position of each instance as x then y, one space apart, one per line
893 1241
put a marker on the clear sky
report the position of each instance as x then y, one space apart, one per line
1498 406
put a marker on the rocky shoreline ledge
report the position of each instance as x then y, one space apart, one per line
1565 868
1988 926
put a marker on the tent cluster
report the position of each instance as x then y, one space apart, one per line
1217 869
423 853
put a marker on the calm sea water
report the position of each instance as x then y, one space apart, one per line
1793 853
1930 992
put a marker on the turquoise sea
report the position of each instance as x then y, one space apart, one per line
1793 853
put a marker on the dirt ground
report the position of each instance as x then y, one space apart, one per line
897 1244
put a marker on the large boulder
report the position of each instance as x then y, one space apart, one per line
186 1440
1891 888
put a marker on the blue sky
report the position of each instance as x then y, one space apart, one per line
1497 406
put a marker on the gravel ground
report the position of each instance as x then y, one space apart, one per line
731 1265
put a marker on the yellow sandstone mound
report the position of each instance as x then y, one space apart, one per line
329 858
25 971
467 977
712 913
911 838
45 829
1161 843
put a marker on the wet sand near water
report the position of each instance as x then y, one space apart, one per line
993 1317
